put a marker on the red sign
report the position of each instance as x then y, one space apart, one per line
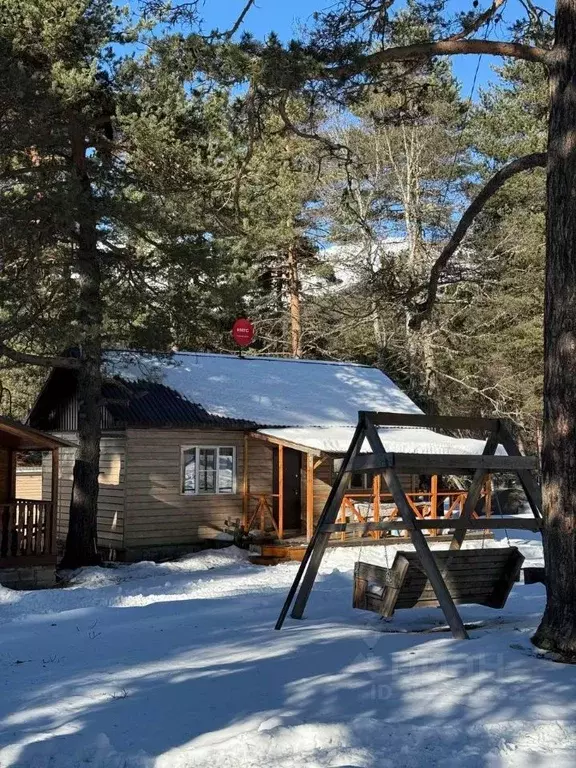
243 332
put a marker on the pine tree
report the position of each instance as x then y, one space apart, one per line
280 210
348 51
393 207
494 361
112 186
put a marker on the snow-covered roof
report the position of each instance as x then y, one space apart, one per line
267 391
394 439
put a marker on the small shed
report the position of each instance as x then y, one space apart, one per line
27 525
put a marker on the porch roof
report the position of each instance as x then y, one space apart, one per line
336 440
15 435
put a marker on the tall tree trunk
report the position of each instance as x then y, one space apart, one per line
295 307
379 329
422 363
429 366
557 630
81 542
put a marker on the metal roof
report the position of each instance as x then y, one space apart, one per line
148 404
194 390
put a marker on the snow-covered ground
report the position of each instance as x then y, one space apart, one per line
178 666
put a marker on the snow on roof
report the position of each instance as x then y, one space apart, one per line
394 439
267 391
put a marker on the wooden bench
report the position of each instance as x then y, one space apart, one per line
482 576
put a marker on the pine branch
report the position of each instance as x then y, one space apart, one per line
449 47
333 146
479 22
238 23
535 160
43 361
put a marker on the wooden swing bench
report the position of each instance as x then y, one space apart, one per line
423 577
479 576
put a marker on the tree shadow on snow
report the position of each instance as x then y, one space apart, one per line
197 672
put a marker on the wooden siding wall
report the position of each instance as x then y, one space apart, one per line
260 467
62 416
157 513
29 484
110 494
322 485
140 503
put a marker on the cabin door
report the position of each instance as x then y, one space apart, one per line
292 488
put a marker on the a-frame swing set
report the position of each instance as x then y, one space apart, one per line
440 577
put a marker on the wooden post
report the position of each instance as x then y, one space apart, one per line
317 546
528 482
262 508
418 539
280 491
11 490
475 490
342 516
309 496
376 489
488 496
51 533
434 496
245 488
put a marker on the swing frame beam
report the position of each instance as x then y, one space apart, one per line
380 462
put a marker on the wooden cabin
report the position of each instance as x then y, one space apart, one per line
197 448
27 523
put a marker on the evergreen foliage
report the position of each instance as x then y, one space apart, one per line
158 182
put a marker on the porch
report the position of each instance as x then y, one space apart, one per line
27 526
302 478
27 533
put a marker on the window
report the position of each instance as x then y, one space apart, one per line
189 470
208 469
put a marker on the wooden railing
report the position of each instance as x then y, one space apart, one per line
260 512
27 532
365 506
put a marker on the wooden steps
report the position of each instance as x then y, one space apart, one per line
272 555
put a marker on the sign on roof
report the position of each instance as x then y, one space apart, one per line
243 332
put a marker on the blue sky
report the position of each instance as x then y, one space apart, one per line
283 17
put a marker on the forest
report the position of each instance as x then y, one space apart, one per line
317 214
161 178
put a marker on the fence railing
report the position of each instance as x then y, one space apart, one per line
365 506
26 530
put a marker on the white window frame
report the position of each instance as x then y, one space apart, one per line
216 492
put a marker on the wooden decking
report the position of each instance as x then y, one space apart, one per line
272 552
